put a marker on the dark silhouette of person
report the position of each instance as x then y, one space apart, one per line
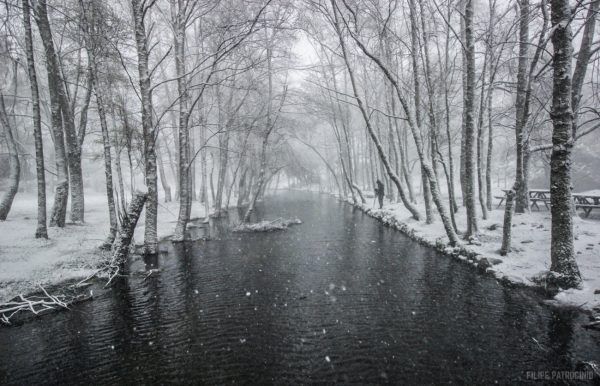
379 192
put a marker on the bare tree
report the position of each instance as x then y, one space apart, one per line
562 251
15 164
469 134
94 33
61 195
140 9
41 230
62 107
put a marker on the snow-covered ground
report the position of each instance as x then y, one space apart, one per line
69 253
530 256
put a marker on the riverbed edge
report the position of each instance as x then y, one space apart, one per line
483 264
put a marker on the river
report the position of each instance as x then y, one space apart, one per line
339 298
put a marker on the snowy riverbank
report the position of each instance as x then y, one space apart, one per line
70 253
530 257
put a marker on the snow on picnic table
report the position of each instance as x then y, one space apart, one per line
70 253
530 256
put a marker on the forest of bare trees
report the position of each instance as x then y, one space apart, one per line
213 103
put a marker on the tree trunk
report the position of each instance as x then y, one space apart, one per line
92 30
73 150
491 76
480 167
265 142
463 142
41 230
15 165
59 209
118 148
522 195
415 55
150 234
583 59
472 228
451 189
562 252
112 212
161 173
203 173
123 241
185 200
507 229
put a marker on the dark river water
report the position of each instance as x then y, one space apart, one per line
339 298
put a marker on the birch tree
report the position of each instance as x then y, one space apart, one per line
139 11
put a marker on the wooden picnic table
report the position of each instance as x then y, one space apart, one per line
535 196
587 201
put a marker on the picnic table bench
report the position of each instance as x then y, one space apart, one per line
535 196
586 201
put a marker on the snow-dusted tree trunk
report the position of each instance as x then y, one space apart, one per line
469 137
223 163
73 148
269 126
491 79
116 144
112 212
480 166
150 234
446 73
415 57
583 59
15 165
402 152
91 26
61 195
41 230
522 195
130 219
203 171
562 249
463 142
507 227
161 171
431 97
178 20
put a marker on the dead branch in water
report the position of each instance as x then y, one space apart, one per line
34 304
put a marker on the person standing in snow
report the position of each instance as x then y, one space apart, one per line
379 192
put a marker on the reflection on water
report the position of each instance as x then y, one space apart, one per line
337 299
